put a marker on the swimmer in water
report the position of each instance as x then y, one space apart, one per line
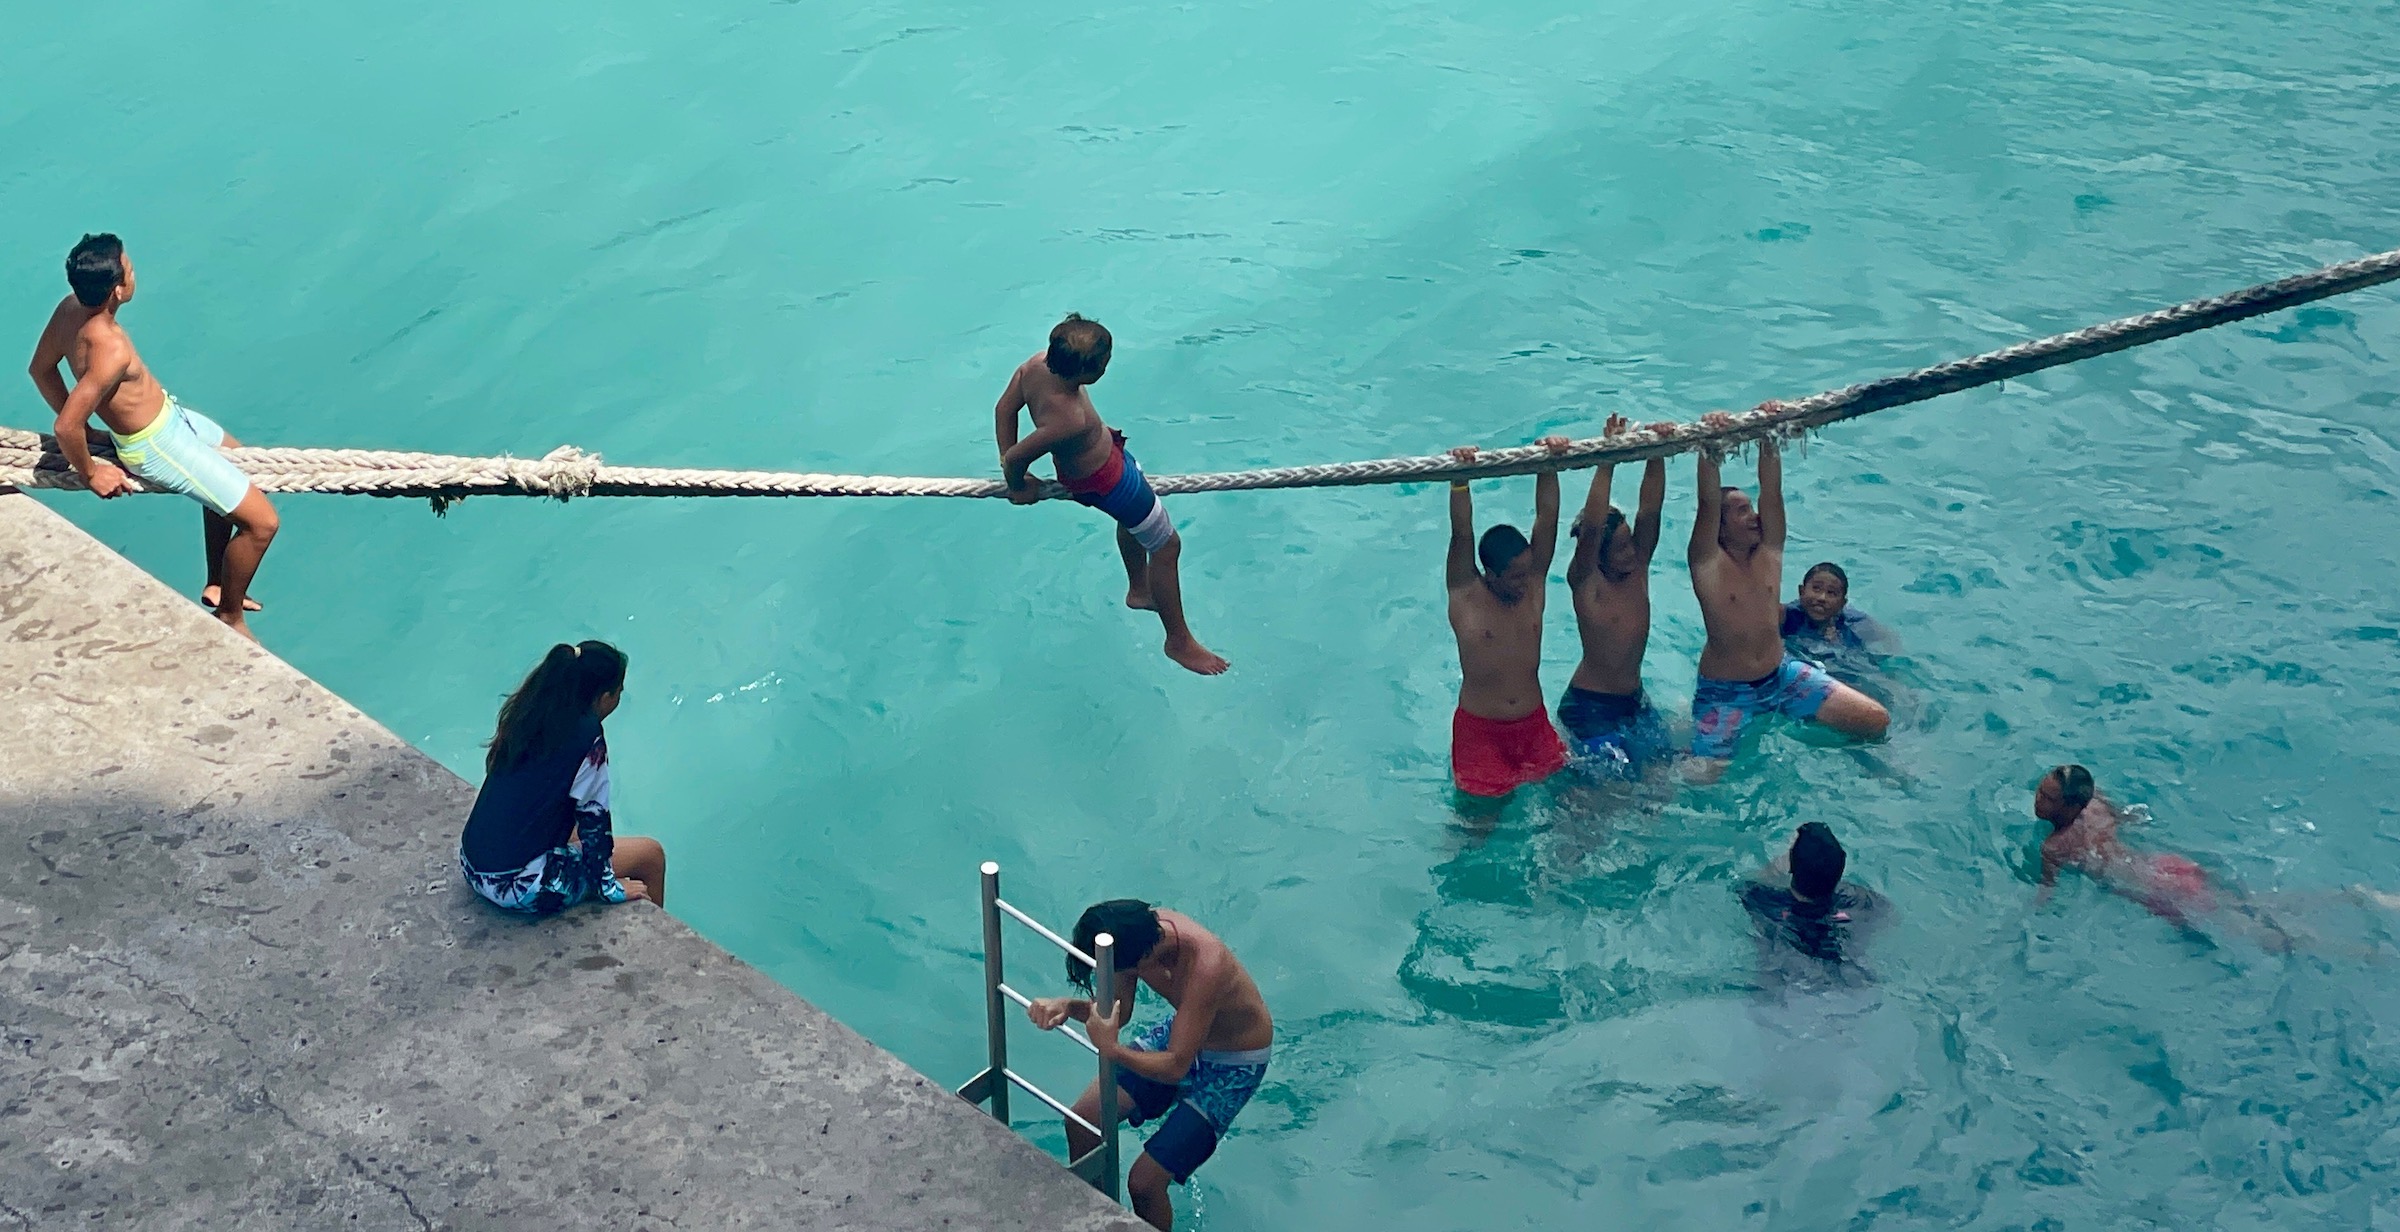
1800 904
1096 469
2083 836
1500 735
1821 615
1736 559
1615 732
1192 1071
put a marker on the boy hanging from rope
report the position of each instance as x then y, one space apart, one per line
1095 468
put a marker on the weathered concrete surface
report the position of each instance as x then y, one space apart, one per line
241 985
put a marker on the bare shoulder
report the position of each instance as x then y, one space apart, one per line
1041 387
103 342
60 328
1206 946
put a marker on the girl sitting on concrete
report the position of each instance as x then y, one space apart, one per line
538 840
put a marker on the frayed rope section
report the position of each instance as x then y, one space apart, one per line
29 460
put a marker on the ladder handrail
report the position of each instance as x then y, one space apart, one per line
1100 1165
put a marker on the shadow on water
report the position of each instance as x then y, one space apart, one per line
1509 940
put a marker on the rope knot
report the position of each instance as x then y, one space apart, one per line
561 474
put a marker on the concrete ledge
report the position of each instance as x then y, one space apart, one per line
241 985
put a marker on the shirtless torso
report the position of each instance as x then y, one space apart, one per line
1499 651
1065 424
86 338
1737 570
1612 613
2169 885
1739 607
1195 959
1612 618
1497 618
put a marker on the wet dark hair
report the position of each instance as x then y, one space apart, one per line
1608 535
1827 566
1817 861
1500 545
546 710
2075 788
95 265
1130 921
1079 349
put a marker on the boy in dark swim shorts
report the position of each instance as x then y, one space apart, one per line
1616 732
1197 1110
1194 1072
1612 735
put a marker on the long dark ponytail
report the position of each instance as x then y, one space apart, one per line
545 710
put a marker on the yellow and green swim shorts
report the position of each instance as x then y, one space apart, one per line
178 452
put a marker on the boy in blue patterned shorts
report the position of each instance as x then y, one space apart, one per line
1736 559
163 442
1195 1070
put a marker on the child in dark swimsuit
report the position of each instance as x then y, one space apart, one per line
540 838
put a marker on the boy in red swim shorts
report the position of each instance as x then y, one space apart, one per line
1096 470
1500 736
2083 836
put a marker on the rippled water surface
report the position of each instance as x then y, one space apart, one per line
815 237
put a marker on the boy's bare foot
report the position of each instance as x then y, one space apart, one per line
234 621
1140 601
209 595
1196 657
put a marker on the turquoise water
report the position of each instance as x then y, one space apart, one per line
776 235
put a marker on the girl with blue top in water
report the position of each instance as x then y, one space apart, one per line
539 839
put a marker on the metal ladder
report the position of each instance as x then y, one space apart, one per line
1099 1166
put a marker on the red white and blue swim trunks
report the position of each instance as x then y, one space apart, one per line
1798 688
1120 490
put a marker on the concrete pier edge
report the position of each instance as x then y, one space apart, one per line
242 986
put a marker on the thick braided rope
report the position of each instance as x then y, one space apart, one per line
31 461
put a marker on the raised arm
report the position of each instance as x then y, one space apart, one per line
1545 520
1545 509
1770 494
1586 558
1654 500
1708 503
1458 568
